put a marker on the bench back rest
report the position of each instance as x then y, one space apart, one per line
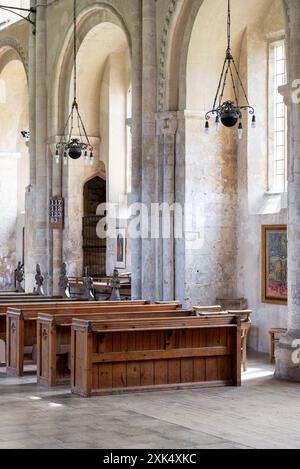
91 308
65 304
62 319
145 323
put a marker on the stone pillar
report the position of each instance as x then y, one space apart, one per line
167 127
180 193
136 128
149 154
287 366
56 235
29 260
41 189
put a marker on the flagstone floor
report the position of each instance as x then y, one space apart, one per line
264 413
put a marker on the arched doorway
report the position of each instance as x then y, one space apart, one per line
94 248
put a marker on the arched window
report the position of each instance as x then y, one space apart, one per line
277 118
128 140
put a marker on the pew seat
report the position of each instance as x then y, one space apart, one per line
54 340
133 355
21 324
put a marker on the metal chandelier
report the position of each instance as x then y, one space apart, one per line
75 144
229 113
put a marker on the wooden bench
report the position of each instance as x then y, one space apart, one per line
43 304
124 355
15 295
244 316
21 325
21 301
233 303
208 309
54 340
101 287
29 299
274 336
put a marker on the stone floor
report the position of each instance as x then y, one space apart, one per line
264 413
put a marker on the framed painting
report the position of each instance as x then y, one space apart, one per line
274 264
121 246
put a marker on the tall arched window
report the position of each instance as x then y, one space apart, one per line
128 140
277 118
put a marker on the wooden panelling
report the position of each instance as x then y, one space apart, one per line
116 342
26 323
157 354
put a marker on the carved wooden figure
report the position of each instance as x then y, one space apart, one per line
88 294
116 285
39 281
64 283
19 278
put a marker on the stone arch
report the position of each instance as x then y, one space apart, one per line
87 19
177 29
173 94
100 172
12 43
173 52
91 24
14 155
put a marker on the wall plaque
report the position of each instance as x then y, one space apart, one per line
56 212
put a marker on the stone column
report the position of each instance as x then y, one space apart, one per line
30 191
167 127
180 194
149 154
287 361
56 235
135 244
40 251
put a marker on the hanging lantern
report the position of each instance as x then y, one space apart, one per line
74 146
229 113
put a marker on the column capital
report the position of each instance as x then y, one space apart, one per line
166 123
286 91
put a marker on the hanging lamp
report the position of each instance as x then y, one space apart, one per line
74 145
227 112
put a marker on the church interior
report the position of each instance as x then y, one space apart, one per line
150 228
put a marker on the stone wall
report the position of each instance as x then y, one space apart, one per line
14 163
257 206
175 57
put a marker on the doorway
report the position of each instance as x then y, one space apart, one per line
94 248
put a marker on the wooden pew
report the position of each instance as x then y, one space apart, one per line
38 303
125 355
15 294
54 340
244 316
29 298
20 302
21 324
43 304
6 303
